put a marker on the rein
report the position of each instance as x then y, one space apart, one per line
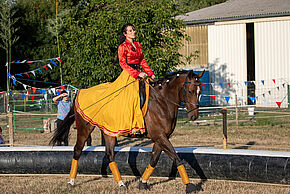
184 96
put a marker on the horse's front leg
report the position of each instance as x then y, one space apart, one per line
164 143
110 143
156 151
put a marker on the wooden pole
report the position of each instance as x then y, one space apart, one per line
11 130
237 110
225 137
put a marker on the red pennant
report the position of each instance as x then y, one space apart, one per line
33 90
62 87
45 67
29 92
279 104
12 61
27 74
59 60
212 96
32 97
203 85
229 84
274 81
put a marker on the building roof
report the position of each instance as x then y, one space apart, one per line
238 9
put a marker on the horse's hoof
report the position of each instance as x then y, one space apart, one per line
123 188
70 186
143 186
190 188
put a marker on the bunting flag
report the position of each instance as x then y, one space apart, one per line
212 84
279 104
32 97
43 91
253 100
45 67
53 62
53 90
62 87
203 85
229 84
227 98
59 60
27 75
33 90
263 82
23 96
49 66
33 73
14 82
29 92
246 83
58 93
274 81
39 70
10 92
221 84
212 96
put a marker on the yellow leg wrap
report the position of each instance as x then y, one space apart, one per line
183 174
115 171
147 173
74 168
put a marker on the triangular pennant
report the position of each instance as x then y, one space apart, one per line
40 91
23 96
39 70
59 60
32 97
227 98
253 100
212 84
53 90
49 66
203 85
212 96
33 90
278 88
43 91
254 82
25 86
62 87
229 84
29 92
14 82
279 104
274 81
45 67
53 62
72 86
23 61
33 73
283 85
246 83
263 82
27 75
10 92
19 74
221 84
58 93
45 96
269 92
263 95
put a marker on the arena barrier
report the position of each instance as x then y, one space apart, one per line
224 164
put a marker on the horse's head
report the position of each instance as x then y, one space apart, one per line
191 93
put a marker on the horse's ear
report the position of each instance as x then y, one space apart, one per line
201 74
191 74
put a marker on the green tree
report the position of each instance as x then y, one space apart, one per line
7 34
90 41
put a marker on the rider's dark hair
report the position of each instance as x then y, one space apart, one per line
122 37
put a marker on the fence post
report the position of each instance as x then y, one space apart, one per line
225 137
237 110
11 130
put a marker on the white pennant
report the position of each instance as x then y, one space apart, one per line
49 91
33 73
212 84
53 90
49 66
25 86
45 96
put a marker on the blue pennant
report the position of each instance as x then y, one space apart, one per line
253 100
221 84
20 75
39 70
263 82
53 62
227 98
246 83
23 96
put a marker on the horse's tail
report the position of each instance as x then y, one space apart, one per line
64 126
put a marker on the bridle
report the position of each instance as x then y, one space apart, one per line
185 96
184 87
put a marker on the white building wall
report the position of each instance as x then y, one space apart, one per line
272 61
228 62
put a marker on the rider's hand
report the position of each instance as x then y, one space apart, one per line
142 75
153 77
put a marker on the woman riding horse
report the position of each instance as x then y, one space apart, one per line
115 109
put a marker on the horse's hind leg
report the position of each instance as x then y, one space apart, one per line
156 151
110 143
84 129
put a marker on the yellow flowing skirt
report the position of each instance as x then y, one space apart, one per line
114 107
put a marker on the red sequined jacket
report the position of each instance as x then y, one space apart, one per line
128 55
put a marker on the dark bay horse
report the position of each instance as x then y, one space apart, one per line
165 97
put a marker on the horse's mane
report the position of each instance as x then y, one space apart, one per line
168 77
